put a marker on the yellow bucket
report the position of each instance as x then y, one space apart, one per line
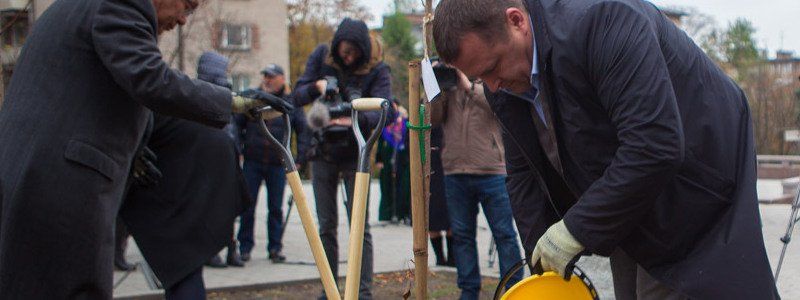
551 286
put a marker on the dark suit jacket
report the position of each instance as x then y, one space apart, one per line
188 216
72 117
256 146
656 145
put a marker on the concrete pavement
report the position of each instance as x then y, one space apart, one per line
392 247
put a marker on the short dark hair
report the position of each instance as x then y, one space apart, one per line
455 18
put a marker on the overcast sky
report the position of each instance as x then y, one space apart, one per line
777 22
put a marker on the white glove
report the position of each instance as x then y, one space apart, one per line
556 249
243 104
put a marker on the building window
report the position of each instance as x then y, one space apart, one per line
15 24
240 82
236 37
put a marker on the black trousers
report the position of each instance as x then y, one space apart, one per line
632 282
191 287
325 181
120 240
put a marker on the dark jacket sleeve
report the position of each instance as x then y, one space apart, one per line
625 65
239 127
381 87
379 153
440 106
305 90
528 202
303 134
126 43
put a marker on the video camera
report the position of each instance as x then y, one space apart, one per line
339 103
445 75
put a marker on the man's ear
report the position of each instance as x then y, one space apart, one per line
516 19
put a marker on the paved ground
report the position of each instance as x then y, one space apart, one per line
393 252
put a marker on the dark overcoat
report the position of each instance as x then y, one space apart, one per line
656 145
188 216
74 112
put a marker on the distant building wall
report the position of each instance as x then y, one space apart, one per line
252 33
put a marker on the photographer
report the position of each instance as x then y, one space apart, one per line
473 158
350 68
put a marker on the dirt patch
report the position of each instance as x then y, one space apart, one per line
395 285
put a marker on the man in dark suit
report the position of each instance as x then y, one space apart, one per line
623 139
185 218
73 115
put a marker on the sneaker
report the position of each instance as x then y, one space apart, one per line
234 260
245 256
276 257
216 262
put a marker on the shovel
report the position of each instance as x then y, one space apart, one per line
293 177
360 194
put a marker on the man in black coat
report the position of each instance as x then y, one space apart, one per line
185 218
623 133
73 115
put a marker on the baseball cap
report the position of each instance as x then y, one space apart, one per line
272 70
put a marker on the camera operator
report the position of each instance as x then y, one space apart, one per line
350 68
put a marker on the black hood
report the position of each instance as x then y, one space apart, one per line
356 32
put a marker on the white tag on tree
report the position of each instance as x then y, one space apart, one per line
429 80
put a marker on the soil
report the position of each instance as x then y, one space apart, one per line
395 285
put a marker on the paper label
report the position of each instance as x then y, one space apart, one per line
429 81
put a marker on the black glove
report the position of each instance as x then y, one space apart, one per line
145 172
277 103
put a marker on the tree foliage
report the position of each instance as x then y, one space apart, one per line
397 35
703 29
739 47
774 99
399 50
770 95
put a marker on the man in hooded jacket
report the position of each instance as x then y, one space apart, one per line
354 58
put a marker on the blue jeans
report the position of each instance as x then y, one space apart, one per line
275 180
464 194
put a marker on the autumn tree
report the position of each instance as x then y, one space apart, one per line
705 32
400 49
773 104
772 100
739 49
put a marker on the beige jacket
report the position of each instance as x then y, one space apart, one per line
472 142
